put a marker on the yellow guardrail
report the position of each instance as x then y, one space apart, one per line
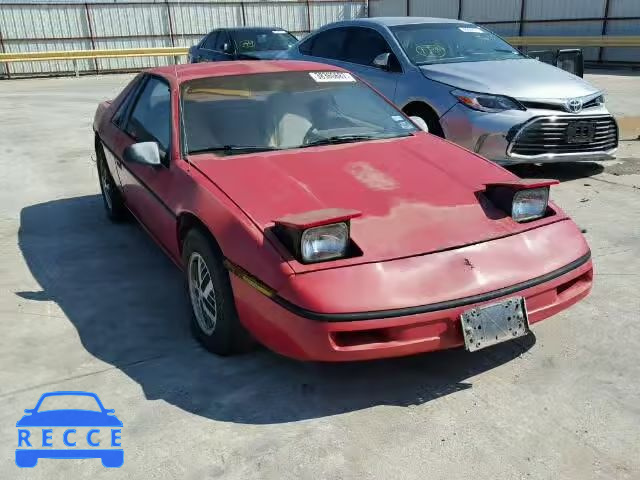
606 41
89 54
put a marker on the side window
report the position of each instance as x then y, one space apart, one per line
121 114
363 45
305 47
329 44
223 37
210 42
150 119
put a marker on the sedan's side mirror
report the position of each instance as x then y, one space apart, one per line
143 153
382 61
226 48
420 123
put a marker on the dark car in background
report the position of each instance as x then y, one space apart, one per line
241 43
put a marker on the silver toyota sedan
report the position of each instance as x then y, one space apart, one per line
471 87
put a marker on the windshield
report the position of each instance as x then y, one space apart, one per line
272 111
427 44
69 402
248 41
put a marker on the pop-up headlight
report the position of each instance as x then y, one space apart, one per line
318 235
524 200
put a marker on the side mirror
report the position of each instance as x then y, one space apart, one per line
109 411
382 61
143 153
420 123
28 410
226 48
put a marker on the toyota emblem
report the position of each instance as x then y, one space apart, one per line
574 105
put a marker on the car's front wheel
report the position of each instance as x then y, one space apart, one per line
215 320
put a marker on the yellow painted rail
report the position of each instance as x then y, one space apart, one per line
606 41
88 54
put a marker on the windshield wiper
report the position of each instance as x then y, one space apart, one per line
337 139
234 149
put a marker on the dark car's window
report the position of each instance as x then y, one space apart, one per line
223 37
262 40
209 43
431 43
305 47
329 44
272 111
363 45
121 114
150 118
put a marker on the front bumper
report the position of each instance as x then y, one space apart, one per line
493 135
307 320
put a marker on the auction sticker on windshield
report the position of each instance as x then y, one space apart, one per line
332 77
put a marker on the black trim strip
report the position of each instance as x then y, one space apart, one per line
402 312
141 182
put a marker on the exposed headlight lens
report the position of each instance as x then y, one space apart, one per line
530 204
485 102
324 242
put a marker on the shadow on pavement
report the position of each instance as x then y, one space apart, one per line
562 171
128 304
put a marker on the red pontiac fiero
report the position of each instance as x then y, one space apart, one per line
310 214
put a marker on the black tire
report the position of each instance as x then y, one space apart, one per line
228 336
111 196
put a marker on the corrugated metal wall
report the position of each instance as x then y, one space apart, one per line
538 17
27 26
44 25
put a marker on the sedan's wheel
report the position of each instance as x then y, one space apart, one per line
111 197
107 188
215 320
203 296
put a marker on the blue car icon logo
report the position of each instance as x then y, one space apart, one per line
89 432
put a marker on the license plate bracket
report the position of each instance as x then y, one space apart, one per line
581 132
491 324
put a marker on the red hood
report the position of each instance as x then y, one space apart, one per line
417 194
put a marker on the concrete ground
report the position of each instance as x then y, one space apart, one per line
87 305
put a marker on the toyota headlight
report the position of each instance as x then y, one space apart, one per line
485 102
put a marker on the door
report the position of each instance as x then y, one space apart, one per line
146 188
362 46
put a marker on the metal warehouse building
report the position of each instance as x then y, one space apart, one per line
46 25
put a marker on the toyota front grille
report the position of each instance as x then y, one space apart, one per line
565 135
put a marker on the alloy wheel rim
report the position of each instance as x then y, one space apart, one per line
202 293
106 186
